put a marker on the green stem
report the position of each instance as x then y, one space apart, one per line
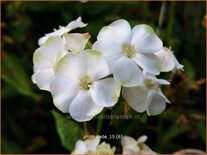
131 126
170 23
161 16
79 9
85 128
100 124
159 132
145 6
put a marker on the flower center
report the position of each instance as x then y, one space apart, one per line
128 50
148 83
85 83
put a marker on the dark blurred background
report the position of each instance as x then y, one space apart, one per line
30 122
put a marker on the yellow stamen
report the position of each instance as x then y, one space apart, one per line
128 51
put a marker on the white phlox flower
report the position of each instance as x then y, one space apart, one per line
147 96
168 60
127 51
92 146
47 56
45 60
80 79
63 30
79 87
132 146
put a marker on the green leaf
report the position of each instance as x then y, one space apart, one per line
22 27
173 132
8 92
201 130
190 72
9 147
118 109
68 130
14 75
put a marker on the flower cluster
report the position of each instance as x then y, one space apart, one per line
84 79
129 146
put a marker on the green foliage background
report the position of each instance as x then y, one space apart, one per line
31 123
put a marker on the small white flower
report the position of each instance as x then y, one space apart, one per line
92 146
132 146
87 146
79 87
168 60
45 60
63 29
49 54
148 96
126 50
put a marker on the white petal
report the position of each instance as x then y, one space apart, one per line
148 62
118 32
76 24
105 92
97 66
137 98
63 92
129 151
57 33
146 150
157 105
145 39
83 108
93 143
127 73
126 140
74 42
105 148
167 60
129 145
111 51
72 67
149 75
142 139
89 64
177 64
161 94
162 82
43 58
47 56
154 79
42 40
80 148
43 78
62 30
